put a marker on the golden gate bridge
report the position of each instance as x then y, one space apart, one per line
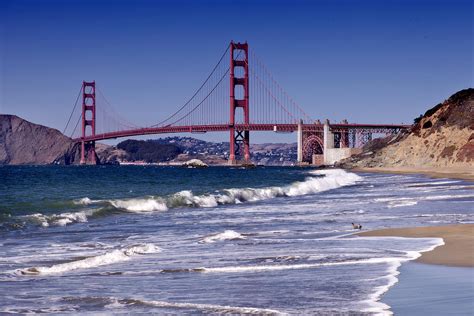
239 96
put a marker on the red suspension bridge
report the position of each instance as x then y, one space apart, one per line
238 96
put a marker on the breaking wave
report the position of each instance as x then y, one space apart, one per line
279 267
319 181
115 303
140 205
59 219
220 309
114 256
226 235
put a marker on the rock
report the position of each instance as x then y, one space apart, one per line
23 142
194 163
248 165
110 155
442 137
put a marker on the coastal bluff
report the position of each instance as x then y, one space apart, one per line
23 142
441 140
26 143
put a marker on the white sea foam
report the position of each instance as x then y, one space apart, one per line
421 184
226 235
332 179
221 309
59 219
111 257
279 267
373 303
83 201
319 181
423 198
409 255
377 307
117 303
141 205
187 198
402 203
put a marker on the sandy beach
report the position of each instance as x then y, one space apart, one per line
434 172
458 250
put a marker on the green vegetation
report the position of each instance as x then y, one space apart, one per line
149 151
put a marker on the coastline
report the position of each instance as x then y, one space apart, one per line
458 250
433 172
443 275
428 289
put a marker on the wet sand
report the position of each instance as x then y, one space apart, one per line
458 250
428 289
434 172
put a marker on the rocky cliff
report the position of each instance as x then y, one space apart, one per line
441 138
23 142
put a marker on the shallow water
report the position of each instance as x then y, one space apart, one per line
218 240
446 290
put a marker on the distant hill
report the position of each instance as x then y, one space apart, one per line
441 138
149 151
26 143
23 142
214 153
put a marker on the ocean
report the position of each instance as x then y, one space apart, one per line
171 240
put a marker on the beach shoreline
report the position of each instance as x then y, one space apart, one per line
443 274
458 248
445 290
433 172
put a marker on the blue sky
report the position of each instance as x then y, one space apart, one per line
367 61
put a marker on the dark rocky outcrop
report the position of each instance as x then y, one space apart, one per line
23 142
149 151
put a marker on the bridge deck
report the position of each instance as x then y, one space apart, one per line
376 128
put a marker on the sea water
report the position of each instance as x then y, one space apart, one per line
170 240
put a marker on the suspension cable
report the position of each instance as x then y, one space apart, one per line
124 121
197 91
284 92
77 123
207 96
73 109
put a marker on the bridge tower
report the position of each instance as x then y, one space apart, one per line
88 155
242 136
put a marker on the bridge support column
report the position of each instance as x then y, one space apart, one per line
299 157
239 136
328 140
88 155
232 160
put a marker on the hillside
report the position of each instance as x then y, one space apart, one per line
23 142
217 153
26 143
441 139
148 151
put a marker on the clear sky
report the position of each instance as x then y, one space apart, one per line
366 61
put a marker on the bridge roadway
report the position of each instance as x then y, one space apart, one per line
374 128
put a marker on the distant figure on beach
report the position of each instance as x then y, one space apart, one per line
357 226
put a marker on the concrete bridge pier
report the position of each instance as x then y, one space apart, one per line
328 142
299 157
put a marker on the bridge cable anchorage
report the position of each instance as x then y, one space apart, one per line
72 112
197 91
186 115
